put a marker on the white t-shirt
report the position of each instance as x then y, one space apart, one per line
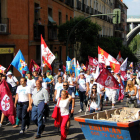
82 84
31 84
64 107
44 85
58 87
12 81
23 93
88 77
70 80
94 75
99 87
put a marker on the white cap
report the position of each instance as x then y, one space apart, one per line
137 71
81 73
9 73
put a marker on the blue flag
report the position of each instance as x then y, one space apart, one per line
19 62
68 59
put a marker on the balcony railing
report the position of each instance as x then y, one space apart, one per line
38 30
4 26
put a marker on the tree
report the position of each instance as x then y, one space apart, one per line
87 34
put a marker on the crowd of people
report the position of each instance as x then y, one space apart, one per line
33 93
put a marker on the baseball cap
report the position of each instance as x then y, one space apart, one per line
48 71
28 72
134 74
59 69
91 79
9 73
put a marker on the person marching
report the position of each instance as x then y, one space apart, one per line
64 110
23 94
39 99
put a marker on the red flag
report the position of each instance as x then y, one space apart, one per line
106 79
119 58
108 60
87 63
46 54
92 61
6 102
121 91
124 75
101 65
33 66
64 68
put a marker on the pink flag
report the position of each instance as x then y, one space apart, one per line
106 79
121 91
33 66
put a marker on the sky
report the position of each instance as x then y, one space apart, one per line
133 7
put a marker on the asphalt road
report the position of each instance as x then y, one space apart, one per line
50 132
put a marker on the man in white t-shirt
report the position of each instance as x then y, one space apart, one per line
72 82
30 81
88 76
22 99
12 80
58 87
83 90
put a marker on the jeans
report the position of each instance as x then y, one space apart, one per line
37 117
22 114
82 98
92 110
63 125
13 90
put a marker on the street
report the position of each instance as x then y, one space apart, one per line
50 132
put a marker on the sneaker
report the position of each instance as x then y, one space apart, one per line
80 111
21 132
26 127
8 123
0 125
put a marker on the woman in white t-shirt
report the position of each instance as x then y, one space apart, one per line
64 102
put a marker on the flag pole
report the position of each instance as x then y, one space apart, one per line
8 67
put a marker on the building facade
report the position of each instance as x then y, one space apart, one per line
120 30
21 24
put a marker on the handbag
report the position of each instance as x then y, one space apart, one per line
57 115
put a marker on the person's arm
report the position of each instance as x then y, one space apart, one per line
46 96
55 92
139 93
98 105
16 99
135 89
126 89
70 98
87 85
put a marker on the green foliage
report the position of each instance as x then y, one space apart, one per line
87 33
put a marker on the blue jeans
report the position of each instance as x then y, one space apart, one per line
22 114
82 98
37 117
92 110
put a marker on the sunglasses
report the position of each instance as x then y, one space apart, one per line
65 85
94 88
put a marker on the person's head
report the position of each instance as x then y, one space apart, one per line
130 84
94 89
112 72
48 72
81 71
4 77
94 70
59 79
73 74
9 74
65 85
134 75
88 72
35 73
91 80
137 71
23 81
29 74
38 84
82 75
118 74
64 94
131 70
40 78
131 75
59 71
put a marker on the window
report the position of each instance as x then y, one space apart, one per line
38 52
50 12
66 17
60 18
70 18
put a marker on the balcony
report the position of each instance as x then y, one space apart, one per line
52 32
78 5
4 26
38 30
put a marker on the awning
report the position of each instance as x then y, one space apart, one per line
51 19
